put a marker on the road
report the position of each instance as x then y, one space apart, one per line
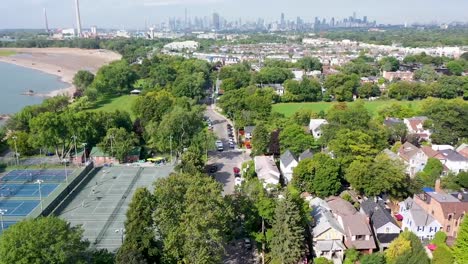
225 160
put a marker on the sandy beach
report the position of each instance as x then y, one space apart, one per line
61 62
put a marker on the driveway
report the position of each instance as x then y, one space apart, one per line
229 158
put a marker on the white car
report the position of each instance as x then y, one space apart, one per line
219 145
237 181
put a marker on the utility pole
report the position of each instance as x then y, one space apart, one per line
170 145
39 182
16 150
112 146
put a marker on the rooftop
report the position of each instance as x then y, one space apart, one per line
287 158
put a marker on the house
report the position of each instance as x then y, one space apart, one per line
413 157
315 127
398 75
454 161
306 154
383 224
358 233
266 170
415 126
248 131
417 220
463 150
327 232
277 87
445 208
288 162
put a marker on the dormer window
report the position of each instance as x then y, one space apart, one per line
449 217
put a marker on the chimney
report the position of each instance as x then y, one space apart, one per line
460 196
78 18
437 186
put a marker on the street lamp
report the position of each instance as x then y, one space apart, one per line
2 212
121 231
16 150
66 172
39 182
84 151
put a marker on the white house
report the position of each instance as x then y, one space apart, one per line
454 161
189 45
266 170
415 126
315 127
288 162
414 158
416 220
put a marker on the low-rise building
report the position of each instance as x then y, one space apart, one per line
383 224
358 233
415 126
327 232
266 170
315 127
417 220
398 75
413 157
445 208
288 162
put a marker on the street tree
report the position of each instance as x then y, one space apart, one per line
381 175
42 240
260 139
118 142
140 236
460 247
287 232
319 175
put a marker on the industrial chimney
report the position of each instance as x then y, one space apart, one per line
78 18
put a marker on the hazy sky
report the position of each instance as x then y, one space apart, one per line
132 13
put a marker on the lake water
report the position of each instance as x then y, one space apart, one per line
15 80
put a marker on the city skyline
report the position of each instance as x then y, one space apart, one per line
133 14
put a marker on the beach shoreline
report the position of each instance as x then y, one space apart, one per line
60 62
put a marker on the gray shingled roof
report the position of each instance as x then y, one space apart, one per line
452 155
306 154
287 158
379 215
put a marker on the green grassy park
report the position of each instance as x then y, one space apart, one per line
288 109
122 103
5 53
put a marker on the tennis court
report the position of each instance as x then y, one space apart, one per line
7 224
26 190
33 175
101 205
18 208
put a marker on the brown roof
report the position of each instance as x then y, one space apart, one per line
463 150
407 151
340 206
430 153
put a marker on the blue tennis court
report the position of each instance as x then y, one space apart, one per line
32 175
18 208
26 190
7 224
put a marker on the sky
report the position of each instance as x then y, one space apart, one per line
133 13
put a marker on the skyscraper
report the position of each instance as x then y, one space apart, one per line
78 18
46 21
282 22
216 21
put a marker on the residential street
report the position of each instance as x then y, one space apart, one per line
225 160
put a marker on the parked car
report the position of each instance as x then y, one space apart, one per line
247 243
237 181
236 171
219 145
232 145
213 168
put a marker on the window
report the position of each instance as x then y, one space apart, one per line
432 212
448 228
450 217
360 237
430 229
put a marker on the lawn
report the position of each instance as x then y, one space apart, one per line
111 104
5 53
288 109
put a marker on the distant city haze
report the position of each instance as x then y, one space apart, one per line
131 14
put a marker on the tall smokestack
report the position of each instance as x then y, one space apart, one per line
46 21
78 18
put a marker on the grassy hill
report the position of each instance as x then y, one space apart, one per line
288 109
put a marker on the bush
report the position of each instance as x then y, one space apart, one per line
322 260
439 238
